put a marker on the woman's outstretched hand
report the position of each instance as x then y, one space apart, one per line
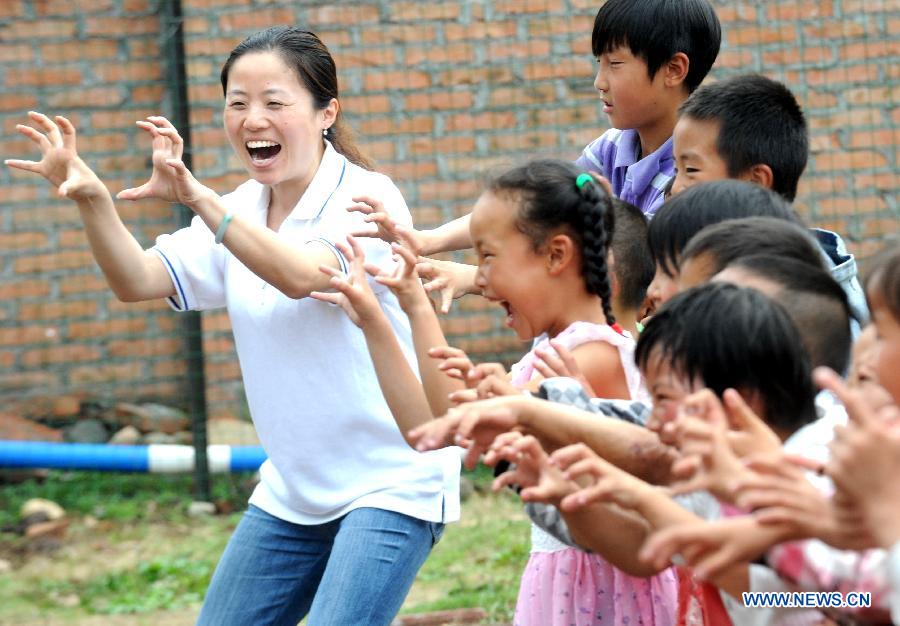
60 163
170 180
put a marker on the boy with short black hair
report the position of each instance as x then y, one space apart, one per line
752 128
652 54
630 264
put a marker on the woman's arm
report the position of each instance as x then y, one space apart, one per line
293 272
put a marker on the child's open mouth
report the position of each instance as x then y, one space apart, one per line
509 313
262 152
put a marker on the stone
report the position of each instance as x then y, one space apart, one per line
66 406
16 428
53 530
87 431
150 417
157 438
128 436
231 432
35 506
201 509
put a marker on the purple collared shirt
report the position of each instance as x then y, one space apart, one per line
642 183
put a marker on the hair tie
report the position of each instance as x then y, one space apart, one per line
582 179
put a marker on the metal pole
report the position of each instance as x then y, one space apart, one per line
173 49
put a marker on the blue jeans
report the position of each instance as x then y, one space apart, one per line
356 569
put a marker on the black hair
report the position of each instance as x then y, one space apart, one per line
687 213
760 122
549 200
308 56
725 336
815 301
726 241
656 30
884 278
633 263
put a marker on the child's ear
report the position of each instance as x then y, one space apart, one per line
677 69
761 174
560 254
611 271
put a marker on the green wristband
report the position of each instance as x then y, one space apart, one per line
220 232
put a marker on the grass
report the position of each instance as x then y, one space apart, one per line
132 549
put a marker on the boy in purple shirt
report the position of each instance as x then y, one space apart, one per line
651 54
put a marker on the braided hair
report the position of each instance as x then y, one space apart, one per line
549 200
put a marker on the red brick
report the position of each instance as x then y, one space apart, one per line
227 370
52 262
533 94
461 53
60 354
106 373
170 369
145 347
438 101
811 9
92 97
12 8
565 68
24 30
148 93
475 76
416 11
57 310
22 240
408 124
842 161
346 13
45 8
515 7
24 289
399 34
28 381
18 102
480 30
535 48
418 146
139 47
755 35
17 53
130 72
255 20
24 335
105 328
85 284
554 27
39 77
121 26
392 81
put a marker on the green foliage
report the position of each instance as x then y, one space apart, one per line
114 496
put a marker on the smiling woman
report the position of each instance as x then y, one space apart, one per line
346 512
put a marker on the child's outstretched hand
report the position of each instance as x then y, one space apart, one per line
386 228
60 163
403 281
454 362
710 547
701 434
452 280
606 482
170 180
532 472
560 362
353 292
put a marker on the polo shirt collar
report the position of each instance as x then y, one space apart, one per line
641 173
326 181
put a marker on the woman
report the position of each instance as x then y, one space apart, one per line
346 512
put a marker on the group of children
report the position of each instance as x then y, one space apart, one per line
665 430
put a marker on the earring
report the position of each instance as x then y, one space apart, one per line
325 132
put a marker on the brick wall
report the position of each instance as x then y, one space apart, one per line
439 93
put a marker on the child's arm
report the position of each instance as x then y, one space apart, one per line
451 236
600 363
426 330
132 273
402 391
452 280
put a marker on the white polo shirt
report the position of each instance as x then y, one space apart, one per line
332 443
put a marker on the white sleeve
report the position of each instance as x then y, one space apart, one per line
196 264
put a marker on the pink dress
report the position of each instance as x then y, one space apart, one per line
564 586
